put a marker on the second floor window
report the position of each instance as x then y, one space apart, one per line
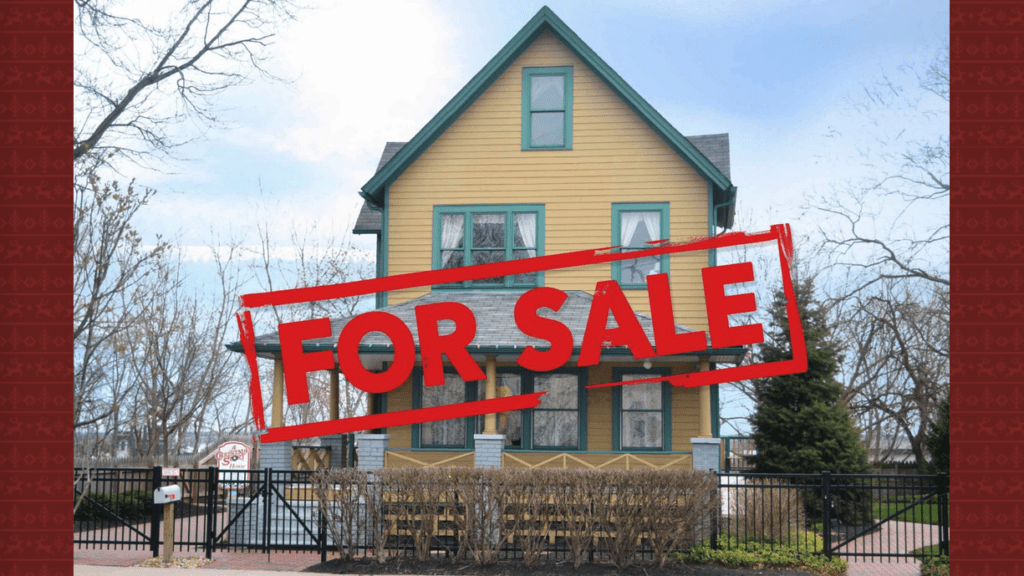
468 235
634 225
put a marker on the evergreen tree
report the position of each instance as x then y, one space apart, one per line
801 424
937 440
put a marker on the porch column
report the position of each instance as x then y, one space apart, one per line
277 400
705 402
706 450
491 391
370 450
335 376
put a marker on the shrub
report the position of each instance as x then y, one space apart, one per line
935 566
766 513
130 506
344 500
796 551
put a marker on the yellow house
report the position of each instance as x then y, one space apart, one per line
546 150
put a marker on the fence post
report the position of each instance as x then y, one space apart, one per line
717 514
154 534
826 512
944 513
211 510
322 535
266 510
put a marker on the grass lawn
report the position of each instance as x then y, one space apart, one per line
926 513
932 550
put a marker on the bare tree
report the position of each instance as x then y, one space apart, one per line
110 290
893 224
897 369
310 260
181 370
135 80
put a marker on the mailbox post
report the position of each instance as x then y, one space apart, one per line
167 496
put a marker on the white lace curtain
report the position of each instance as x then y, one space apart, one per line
452 228
526 225
630 222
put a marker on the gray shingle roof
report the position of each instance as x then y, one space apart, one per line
369 220
495 318
714 146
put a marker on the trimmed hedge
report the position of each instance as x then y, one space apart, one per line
131 505
612 514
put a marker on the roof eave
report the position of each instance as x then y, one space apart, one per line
737 353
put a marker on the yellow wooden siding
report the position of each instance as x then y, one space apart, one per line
616 157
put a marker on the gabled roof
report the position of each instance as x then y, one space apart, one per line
496 331
715 148
546 20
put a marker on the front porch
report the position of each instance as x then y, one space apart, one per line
642 426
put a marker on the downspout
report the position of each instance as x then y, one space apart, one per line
716 421
713 219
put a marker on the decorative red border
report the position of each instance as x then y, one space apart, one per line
36 307
987 274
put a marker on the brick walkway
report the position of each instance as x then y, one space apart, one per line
896 536
284 561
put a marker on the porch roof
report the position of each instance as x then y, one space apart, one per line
496 331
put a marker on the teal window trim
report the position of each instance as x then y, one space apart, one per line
617 209
417 402
528 74
467 210
666 409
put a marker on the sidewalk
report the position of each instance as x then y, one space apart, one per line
84 570
109 561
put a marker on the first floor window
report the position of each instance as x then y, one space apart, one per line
446 433
557 424
642 413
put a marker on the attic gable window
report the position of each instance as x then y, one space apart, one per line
484 234
547 108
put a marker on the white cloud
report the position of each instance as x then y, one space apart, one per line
366 73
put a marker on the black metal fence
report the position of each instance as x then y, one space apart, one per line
854 516
851 516
254 510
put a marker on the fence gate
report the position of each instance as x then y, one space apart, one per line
885 516
265 510
856 516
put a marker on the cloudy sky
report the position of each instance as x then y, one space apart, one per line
777 76
782 77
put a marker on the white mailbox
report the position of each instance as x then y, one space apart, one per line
167 494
